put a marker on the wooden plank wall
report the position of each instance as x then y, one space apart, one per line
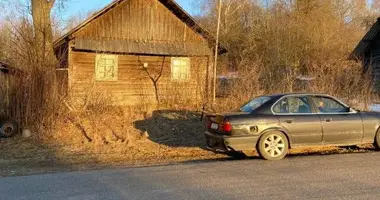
62 80
12 91
141 20
373 57
133 85
4 78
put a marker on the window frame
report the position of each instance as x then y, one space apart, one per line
115 67
188 70
264 100
314 107
311 105
350 111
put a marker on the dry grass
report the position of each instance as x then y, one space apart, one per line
174 136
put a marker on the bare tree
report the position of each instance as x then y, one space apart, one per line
43 31
154 76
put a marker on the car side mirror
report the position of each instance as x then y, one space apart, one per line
352 110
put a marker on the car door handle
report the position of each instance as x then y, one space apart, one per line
328 120
289 121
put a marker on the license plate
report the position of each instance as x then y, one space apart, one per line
214 126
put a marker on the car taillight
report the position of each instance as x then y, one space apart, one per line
226 126
208 124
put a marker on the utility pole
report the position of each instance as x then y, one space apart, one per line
216 50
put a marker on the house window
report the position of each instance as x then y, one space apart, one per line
180 68
106 67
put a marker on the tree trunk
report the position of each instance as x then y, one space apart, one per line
42 88
43 31
156 91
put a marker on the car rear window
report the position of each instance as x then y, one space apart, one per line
254 104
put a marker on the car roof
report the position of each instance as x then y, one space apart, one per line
295 93
278 96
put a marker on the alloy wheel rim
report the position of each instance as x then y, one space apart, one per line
274 145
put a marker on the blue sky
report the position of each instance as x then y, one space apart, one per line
74 7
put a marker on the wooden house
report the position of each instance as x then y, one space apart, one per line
368 52
122 50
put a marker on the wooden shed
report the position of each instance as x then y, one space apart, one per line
368 52
4 87
10 81
120 51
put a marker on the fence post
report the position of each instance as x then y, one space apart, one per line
7 95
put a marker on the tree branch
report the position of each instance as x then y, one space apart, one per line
50 3
162 68
154 79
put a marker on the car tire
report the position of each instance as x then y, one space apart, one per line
273 145
376 143
8 129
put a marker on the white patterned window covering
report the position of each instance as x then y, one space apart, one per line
180 67
106 67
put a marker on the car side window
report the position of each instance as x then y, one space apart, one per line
329 105
292 105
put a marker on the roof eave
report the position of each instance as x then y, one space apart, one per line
97 14
362 46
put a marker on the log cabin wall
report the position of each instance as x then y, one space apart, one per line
133 85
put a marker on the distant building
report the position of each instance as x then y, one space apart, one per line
10 81
113 51
368 52
227 83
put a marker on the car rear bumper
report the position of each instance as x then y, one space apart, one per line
223 143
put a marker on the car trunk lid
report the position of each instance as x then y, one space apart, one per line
219 123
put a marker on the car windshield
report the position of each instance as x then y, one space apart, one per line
253 104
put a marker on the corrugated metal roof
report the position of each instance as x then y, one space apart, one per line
362 47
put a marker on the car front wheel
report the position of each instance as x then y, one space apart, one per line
273 145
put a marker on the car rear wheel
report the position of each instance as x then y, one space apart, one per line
377 141
273 145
